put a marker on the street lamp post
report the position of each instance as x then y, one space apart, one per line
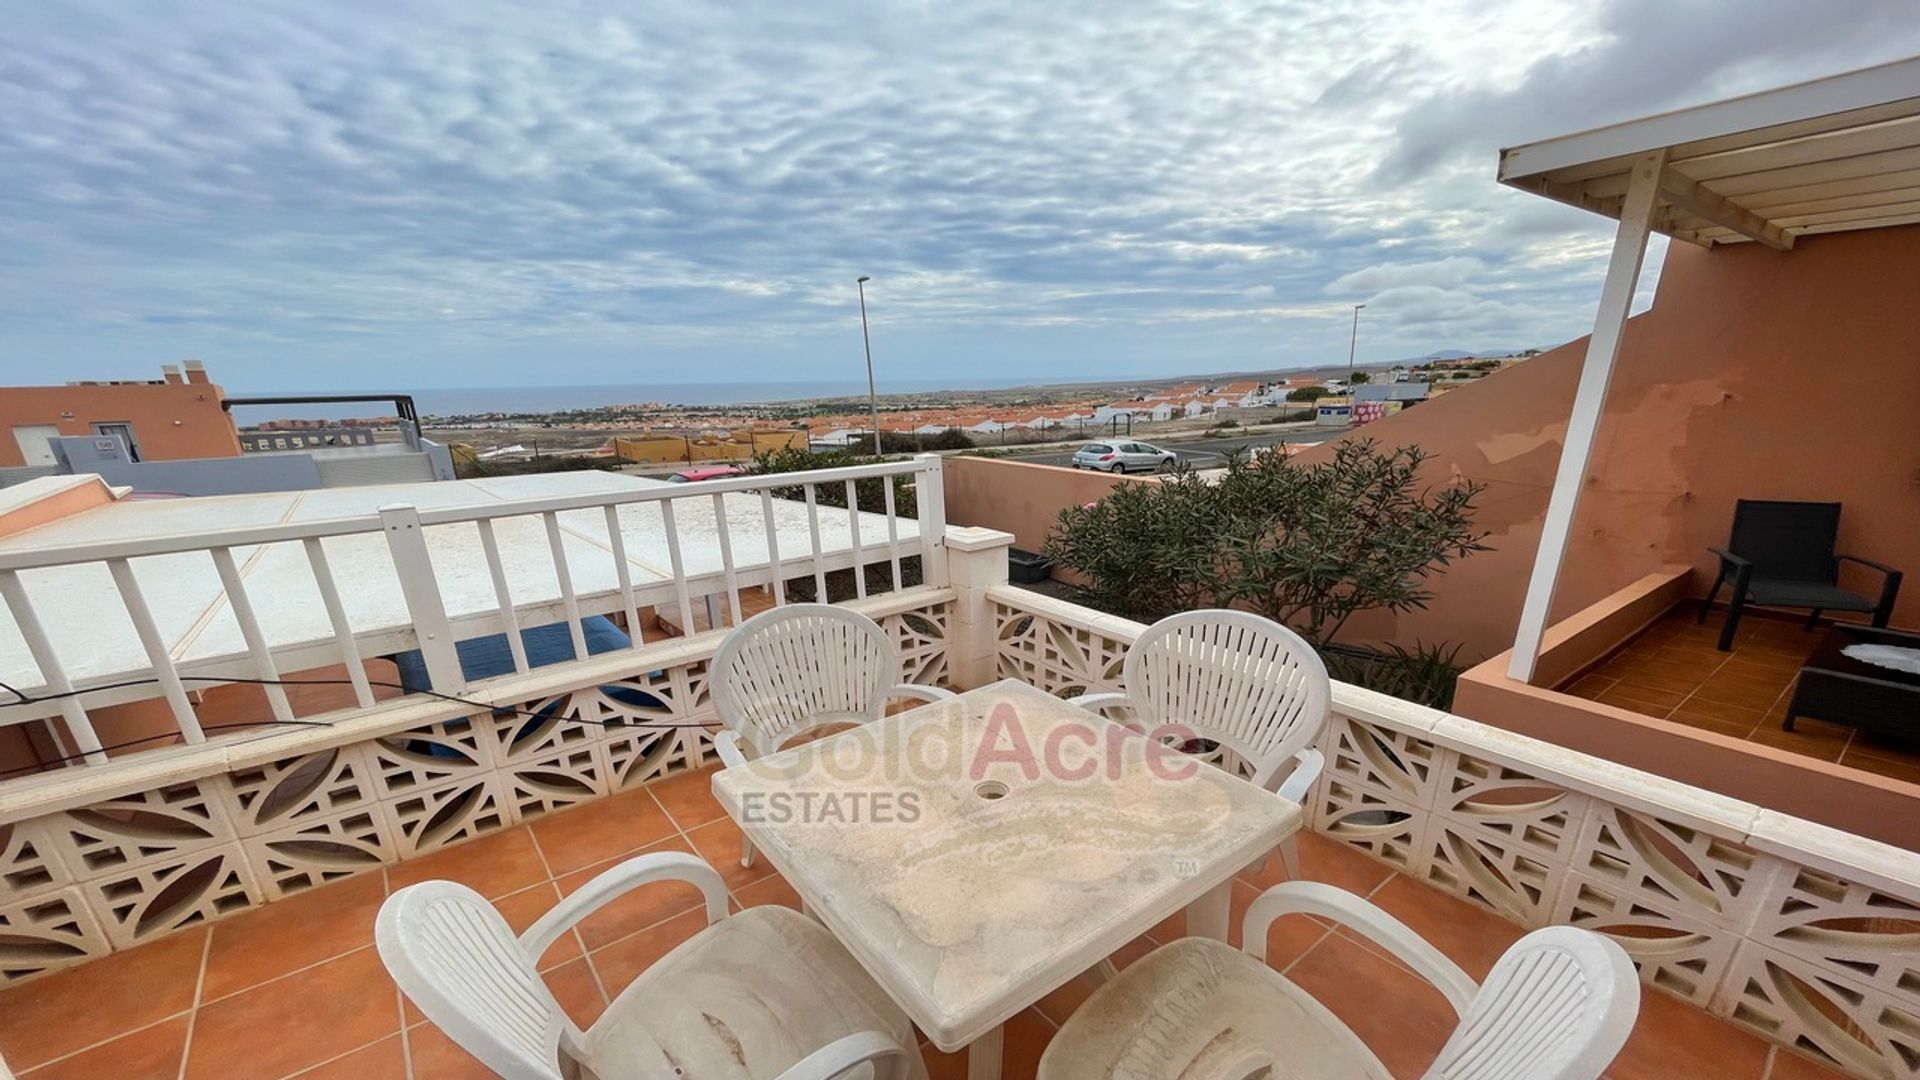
873 401
1353 342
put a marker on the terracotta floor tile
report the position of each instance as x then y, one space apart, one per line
1402 1019
1322 859
268 942
1744 714
1897 770
1027 1036
578 992
1811 726
384 1060
622 962
1133 950
1775 656
637 910
688 798
1809 743
1470 936
70 1010
1674 682
1767 672
601 830
943 1066
492 866
1757 662
1061 1002
1173 927
1636 690
768 890
1289 938
1687 648
1632 704
296 1022
1588 686
718 842
1696 669
152 1053
1741 681
1672 1039
1738 729
1874 744
435 1056
1788 1065
524 908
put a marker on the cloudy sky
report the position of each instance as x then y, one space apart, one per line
421 194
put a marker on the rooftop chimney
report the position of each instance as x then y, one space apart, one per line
172 374
196 371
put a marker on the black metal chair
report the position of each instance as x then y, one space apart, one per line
1781 555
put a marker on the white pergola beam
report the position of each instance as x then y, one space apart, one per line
1589 401
1865 89
1688 195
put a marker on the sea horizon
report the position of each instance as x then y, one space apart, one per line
475 400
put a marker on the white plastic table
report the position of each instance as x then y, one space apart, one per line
971 884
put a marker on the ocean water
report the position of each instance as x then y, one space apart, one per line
467 401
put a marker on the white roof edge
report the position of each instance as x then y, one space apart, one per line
1861 89
42 488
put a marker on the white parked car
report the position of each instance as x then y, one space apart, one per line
1124 456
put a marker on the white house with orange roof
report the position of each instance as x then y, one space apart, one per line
1196 405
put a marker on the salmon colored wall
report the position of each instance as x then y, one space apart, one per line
1018 497
1582 640
1849 799
171 420
1757 374
23 508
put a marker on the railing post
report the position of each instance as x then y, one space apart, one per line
930 507
422 592
977 560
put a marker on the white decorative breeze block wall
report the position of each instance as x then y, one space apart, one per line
1807 936
117 872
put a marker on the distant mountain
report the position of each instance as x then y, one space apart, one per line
1457 354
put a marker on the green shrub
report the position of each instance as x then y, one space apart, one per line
1306 545
1425 674
869 491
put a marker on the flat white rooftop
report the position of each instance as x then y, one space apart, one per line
87 623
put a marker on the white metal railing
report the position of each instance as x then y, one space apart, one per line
425 621
107 859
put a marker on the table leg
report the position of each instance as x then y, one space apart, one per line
1208 916
984 1054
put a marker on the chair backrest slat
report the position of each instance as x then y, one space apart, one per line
1558 1006
1235 678
456 958
792 668
1793 541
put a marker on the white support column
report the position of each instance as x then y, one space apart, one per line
421 591
1589 400
976 562
930 499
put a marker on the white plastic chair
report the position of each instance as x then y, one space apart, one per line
764 994
1244 682
788 671
1557 1006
